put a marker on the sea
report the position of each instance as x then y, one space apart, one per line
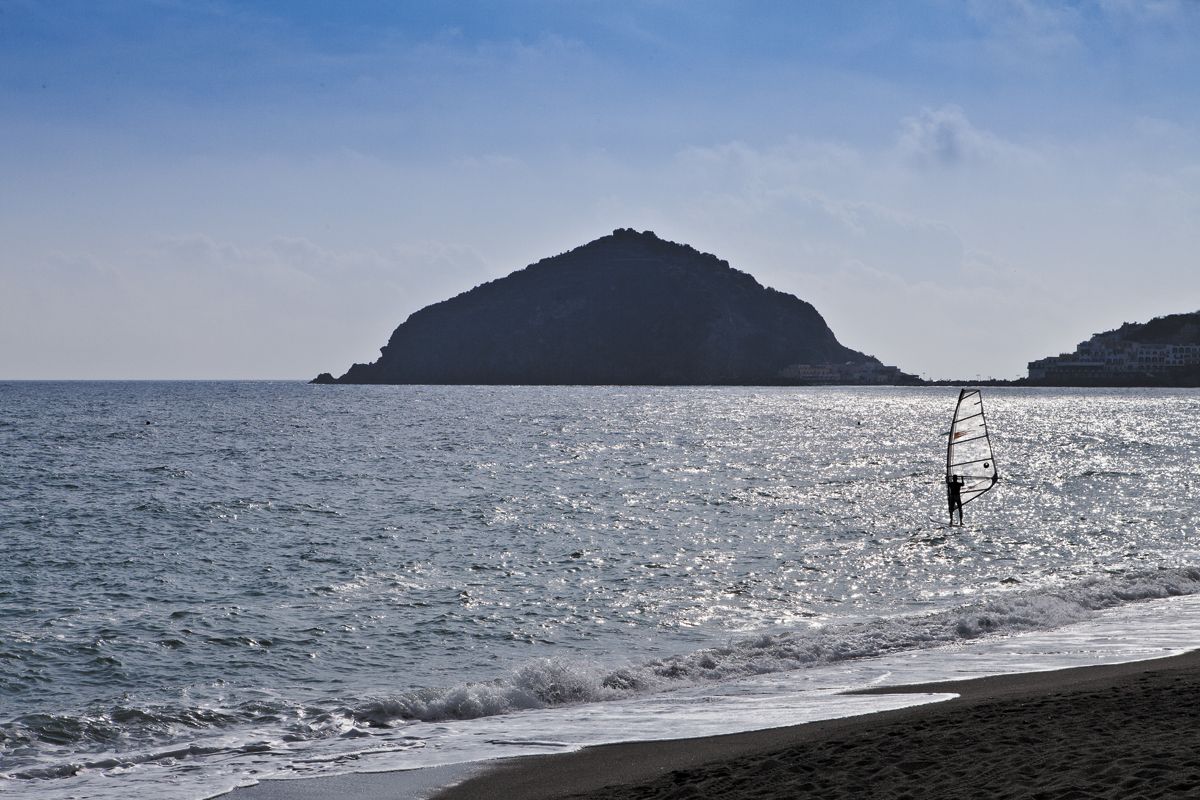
204 585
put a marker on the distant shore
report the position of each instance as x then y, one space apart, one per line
1020 383
1112 731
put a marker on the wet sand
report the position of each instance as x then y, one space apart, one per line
1116 731
414 784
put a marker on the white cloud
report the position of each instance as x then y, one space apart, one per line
945 137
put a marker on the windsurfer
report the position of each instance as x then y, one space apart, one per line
954 486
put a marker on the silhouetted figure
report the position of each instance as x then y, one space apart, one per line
954 486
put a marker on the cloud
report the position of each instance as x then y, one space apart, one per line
950 244
944 137
815 192
820 219
1020 30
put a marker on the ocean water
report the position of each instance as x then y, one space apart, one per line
203 585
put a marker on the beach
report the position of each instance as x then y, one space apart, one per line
1114 731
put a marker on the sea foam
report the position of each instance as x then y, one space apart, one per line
550 682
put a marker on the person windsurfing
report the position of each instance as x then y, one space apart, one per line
954 486
970 467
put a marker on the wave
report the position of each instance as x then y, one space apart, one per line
175 754
32 746
44 746
553 682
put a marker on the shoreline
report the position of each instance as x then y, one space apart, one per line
1102 731
1113 730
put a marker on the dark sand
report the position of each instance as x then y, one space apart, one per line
1123 731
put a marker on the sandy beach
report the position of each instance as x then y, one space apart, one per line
1113 731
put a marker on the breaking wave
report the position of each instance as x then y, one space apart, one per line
553 682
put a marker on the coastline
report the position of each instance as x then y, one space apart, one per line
1116 730
1106 731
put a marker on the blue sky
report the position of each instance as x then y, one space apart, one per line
266 189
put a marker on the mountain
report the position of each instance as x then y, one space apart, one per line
628 308
1162 352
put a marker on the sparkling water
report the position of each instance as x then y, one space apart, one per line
205 584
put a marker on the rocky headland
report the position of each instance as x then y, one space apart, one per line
630 309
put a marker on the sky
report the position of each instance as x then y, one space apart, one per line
218 190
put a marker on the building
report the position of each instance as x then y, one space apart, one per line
850 372
1108 356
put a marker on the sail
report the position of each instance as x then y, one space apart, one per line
969 451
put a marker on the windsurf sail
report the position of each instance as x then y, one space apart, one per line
969 451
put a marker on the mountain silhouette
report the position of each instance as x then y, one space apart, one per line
628 308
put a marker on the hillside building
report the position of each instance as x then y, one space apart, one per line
1110 356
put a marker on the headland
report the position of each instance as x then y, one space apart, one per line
630 309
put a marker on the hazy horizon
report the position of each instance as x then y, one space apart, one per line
266 190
